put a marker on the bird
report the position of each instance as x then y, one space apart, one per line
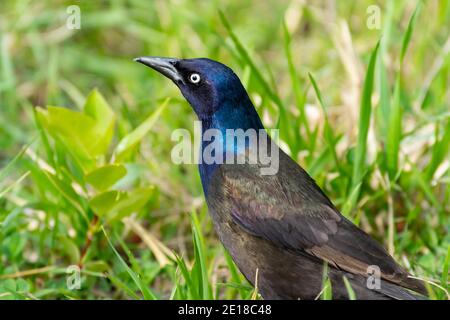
280 229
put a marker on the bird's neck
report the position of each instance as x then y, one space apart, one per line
242 116
233 117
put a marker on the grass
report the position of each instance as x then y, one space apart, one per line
364 111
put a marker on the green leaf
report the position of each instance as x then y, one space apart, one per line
104 177
134 137
115 205
22 285
8 285
70 248
98 109
74 129
86 135
96 266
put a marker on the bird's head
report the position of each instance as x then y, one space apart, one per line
206 84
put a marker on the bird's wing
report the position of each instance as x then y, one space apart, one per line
291 211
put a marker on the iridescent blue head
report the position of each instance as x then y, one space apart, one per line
211 88
215 93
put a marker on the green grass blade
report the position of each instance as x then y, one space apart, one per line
445 269
364 122
134 137
12 185
409 31
148 295
122 286
326 284
6 170
246 57
383 80
234 272
394 133
328 131
439 152
200 258
194 294
350 291
298 93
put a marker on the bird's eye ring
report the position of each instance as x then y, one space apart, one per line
194 78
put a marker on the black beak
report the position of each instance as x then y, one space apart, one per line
165 66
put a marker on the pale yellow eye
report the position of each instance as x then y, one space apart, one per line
194 78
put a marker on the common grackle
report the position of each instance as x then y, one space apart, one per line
280 229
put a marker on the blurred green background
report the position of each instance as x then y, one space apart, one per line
91 184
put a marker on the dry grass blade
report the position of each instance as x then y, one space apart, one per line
27 273
163 255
